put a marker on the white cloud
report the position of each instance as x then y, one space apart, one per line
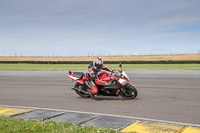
97 25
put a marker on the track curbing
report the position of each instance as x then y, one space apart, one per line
117 122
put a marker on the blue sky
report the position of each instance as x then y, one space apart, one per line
99 27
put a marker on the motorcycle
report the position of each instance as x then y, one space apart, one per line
120 84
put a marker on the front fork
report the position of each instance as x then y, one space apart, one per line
123 89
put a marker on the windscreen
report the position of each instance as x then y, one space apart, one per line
117 74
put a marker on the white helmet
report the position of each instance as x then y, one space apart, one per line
97 63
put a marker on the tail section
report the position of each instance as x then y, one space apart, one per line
77 76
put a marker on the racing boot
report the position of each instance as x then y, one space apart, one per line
92 95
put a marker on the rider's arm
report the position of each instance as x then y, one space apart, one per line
106 68
90 75
100 82
90 65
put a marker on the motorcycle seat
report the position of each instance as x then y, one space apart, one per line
78 74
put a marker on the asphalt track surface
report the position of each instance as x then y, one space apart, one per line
163 95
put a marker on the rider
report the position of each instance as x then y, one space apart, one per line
90 75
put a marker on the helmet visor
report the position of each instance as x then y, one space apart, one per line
98 66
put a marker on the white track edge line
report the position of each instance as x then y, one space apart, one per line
101 114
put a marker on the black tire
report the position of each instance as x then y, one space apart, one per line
128 92
83 87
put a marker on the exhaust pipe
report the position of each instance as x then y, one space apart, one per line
77 89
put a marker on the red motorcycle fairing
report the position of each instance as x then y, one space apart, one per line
107 77
77 78
104 76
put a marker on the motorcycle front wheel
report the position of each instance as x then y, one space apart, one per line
128 92
81 87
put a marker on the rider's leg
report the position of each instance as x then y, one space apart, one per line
92 86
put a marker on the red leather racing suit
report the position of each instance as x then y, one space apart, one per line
91 78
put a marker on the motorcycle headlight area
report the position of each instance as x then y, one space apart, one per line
123 81
123 73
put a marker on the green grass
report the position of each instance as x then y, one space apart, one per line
14 125
52 67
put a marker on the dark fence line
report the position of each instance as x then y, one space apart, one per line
106 62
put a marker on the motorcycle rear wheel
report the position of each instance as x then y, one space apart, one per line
83 87
128 92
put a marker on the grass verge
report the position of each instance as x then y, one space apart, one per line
12 125
56 67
